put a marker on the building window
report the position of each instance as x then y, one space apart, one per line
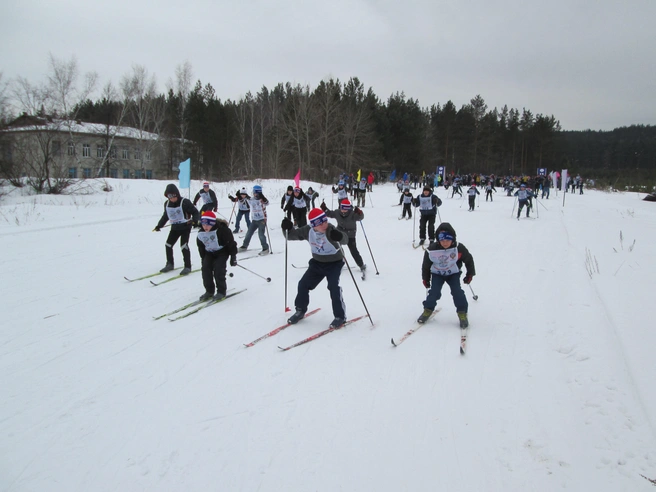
137 174
113 173
71 148
100 151
112 152
148 155
56 148
86 172
149 174
86 150
126 174
72 172
125 154
137 154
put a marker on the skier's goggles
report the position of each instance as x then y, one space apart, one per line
172 195
206 221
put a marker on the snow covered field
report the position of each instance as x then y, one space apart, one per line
556 391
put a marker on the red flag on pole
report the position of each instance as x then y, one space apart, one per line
297 178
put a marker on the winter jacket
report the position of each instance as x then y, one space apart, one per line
207 199
463 254
323 248
346 223
223 239
189 215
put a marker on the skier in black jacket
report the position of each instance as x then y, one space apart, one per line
208 197
215 244
443 264
183 215
427 203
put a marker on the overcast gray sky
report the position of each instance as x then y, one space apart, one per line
590 63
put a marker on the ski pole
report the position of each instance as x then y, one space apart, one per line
233 211
356 285
286 244
266 226
513 210
371 201
414 223
268 279
472 291
372 255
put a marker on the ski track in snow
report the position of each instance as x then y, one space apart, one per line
555 391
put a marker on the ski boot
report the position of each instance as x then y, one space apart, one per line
296 317
464 323
167 268
337 323
424 316
185 271
206 296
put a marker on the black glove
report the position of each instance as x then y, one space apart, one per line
231 197
233 261
468 279
426 283
357 211
335 235
286 224
195 224
156 229
323 206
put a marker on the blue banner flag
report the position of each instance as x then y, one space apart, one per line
393 175
185 174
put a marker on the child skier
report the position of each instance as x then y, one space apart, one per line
489 188
347 219
472 192
443 264
406 201
326 262
427 203
524 196
183 215
244 209
215 244
311 195
258 206
361 192
297 206
208 197
285 200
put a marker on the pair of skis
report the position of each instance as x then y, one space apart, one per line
407 334
275 331
195 306
175 277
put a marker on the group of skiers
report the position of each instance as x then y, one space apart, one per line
443 258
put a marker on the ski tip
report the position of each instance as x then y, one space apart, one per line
393 342
248 345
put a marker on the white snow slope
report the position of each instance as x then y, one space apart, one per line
556 391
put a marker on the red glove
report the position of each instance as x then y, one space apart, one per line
468 279
426 283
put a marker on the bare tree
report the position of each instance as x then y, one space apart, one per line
328 99
5 111
245 114
357 125
182 88
52 108
117 110
146 110
297 122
